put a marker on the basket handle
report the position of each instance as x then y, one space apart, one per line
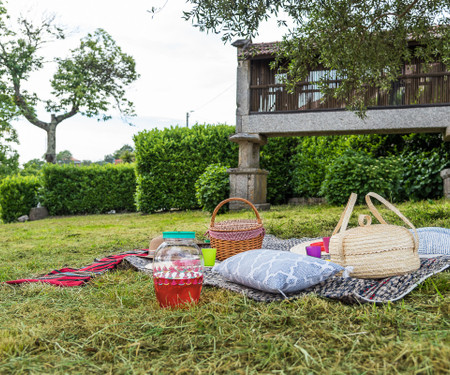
395 210
216 210
345 217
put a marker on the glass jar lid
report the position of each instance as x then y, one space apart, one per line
179 235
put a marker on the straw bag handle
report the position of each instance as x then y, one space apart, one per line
389 205
345 217
216 210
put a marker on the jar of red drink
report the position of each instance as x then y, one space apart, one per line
178 270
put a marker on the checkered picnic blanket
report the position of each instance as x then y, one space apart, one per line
80 276
349 289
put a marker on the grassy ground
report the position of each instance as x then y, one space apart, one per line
114 324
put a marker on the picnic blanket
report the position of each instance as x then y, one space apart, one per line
349 290
80 276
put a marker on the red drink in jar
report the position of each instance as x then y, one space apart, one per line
176 292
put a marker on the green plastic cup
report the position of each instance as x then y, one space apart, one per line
209 256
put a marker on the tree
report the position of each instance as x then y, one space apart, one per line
91 81
9 159
108 159
363 43
64 157
127 156
125 148
125 153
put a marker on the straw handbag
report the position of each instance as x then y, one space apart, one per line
231 237
374 251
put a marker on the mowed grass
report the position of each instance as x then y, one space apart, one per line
114 323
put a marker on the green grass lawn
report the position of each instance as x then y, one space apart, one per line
114 324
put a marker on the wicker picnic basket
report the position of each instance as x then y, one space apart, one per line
374 251
231 237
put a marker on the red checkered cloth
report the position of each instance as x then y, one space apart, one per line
80 276
236 235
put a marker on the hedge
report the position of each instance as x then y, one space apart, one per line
421 174
421 157
212 187
169 162
69 190
18 194
277 156
358 172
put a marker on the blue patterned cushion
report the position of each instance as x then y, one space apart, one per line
434 240
276 271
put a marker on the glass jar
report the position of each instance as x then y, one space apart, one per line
178 270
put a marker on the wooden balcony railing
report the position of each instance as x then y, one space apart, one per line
432 88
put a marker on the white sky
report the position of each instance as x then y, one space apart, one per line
182 69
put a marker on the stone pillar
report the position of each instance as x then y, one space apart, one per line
248 181
242 83
445 174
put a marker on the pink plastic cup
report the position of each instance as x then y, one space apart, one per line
326 244
313 251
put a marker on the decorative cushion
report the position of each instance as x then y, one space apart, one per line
434 240
276 271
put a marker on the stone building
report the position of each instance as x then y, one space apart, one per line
418 102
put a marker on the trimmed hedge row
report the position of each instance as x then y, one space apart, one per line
18 194
172 163
169 162
94 189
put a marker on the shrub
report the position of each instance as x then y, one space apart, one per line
169 161
212 187
18 194
357 172
91 189
277 158
421 177
313 155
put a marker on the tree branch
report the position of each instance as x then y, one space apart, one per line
67 115
399 16
25 109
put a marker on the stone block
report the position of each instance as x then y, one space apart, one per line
445 174
301 201
446 135
38 213
250 184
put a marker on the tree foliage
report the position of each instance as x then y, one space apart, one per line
125 153
9 158
64 156
364 43
90 81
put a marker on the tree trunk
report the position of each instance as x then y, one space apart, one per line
50 156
